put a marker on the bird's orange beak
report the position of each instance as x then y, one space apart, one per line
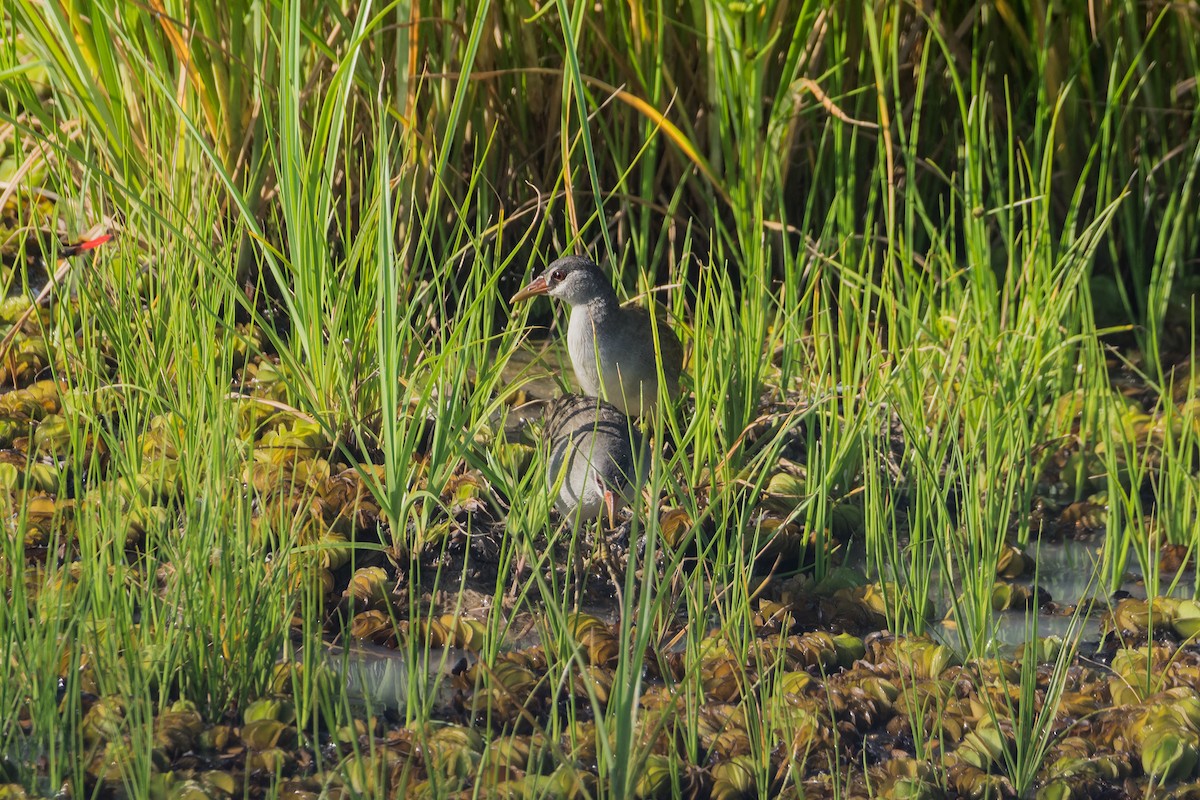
537 286
609 504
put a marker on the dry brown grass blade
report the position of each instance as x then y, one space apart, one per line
569 198
183 53
832 107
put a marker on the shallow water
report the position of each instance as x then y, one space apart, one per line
1070 572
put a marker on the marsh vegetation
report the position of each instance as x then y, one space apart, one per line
273 526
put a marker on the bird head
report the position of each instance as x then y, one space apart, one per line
573 279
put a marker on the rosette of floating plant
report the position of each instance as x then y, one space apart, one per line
314 551
772 617
987 745
286 675
514 458
463 509
26 360
847 648
1165 733
376 627
347 500
1017 597
580 742
966 780
450 752
450 630
219 737
361 731
382 627
48 520
22 409
834 605
592 683
905 777
177 730
28 353
1082 694
786 488
594 638
370 772
913 657
13 307
778 543
372 767
1013 562
1076 763
740 778
783 536
260 387
370 588
56 591
721 730
804 730
930 709
863 700
52 439
987 674
859 608
655 778
675 527
1084 518
270 744
19 473
112 760
1134 618
509 756
264 376
504 691
722 671
871 596
306 505
284 446
1069 473
1139 672
565 782
103 721
137 504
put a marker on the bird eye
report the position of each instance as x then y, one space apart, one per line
558 275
